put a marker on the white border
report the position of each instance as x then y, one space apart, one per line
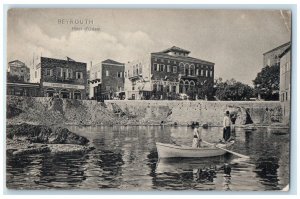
265 4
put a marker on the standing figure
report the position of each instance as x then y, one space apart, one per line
197 138
226 126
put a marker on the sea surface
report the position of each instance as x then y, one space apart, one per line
126 159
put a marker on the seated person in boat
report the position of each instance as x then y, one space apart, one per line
197 137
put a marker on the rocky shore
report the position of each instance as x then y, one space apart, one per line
28 139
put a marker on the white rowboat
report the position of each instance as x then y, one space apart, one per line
175 151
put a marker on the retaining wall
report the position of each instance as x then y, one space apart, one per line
210 112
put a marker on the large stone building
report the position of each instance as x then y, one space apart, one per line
285 84
17 71
165 74
107 80
271 57
61 78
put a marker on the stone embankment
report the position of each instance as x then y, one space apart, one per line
204 112
53 111
26 139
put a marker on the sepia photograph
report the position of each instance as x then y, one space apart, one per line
148 99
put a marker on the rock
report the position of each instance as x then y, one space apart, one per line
31 150
44 134
64 136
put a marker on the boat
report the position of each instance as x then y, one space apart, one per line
176 151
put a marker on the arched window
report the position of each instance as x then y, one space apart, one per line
181 86
77 94
187 69
64 93
192 85
181 68
50 92
186 85
192 69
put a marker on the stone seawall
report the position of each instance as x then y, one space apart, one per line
210 112
51 111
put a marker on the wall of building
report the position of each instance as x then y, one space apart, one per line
137 77
210 112
21 73
115 83
58 82
191 74
285 86
272 57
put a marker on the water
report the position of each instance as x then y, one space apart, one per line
125 158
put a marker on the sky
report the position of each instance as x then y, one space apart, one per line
234 40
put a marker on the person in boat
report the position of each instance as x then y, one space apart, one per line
226 126
197 137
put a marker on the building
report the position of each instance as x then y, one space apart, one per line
107 80
17 71
23 89
61 78
285 84
272 56
166 74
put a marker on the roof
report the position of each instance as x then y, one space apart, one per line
175 48
110 61
281 46
285 51
185 58
61 60
16 61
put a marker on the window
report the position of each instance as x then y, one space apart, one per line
155 67
133 88
286 96
174 89
197 71
107 73
168 89
211 73
269 62
168 68
161 87
79 75
206 74
125 74
201 72
154 87
174 69
70 73
48 71
119 74
161 67
35 74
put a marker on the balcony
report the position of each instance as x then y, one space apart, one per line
135 77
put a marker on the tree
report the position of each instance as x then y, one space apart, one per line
266 83
232 90
205 90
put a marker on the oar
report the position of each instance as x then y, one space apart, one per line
235 153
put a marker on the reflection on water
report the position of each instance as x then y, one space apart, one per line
125 158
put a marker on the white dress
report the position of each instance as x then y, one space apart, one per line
196 139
